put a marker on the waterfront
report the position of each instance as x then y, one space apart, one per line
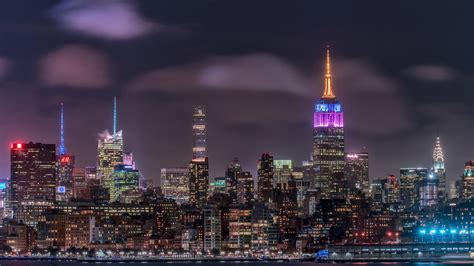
247 263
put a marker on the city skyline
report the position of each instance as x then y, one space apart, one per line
327 94
414 82
222 131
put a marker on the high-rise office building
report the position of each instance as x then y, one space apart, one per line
265 177
91 172
109 154
378 191
357 172
392 189
80 184
175 184
199 133
231 174
240 228
282 171
467 181
198 176
65 166
33 174
124 178
245 189
3 198
265 233
328 140
410 182
439 170
304 177
128 159
429 191
212 228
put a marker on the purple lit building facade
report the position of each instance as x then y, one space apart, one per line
328 141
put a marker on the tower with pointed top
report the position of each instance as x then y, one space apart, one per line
62 147
115 116
439 170
109 154
328 140
64 166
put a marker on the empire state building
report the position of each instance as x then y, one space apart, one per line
328 140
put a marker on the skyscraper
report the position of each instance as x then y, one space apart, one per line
357 171
282 171
231 174
467 181
410 182
175 184
245 189
124 178
198 170
212 228
33 175
265 177
199 133
198 176
392 189
65 166
328 139
429 191
439 170
109 154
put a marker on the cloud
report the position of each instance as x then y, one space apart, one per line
75 66
107 19
253 72
104 134
371 99
431 73
4 65
364 90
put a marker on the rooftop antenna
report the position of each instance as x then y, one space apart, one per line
115 115
62 147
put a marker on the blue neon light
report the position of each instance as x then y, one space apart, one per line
322 107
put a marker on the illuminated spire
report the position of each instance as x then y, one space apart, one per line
438 156
62 147
328 93
115 115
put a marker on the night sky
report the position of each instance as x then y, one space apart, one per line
402 69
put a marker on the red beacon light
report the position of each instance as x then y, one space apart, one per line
16 146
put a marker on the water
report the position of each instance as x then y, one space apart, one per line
75 263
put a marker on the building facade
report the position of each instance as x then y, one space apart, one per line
33 175
467 181
199 133
245 191
410 182
357 171
175 184
328 140
109 155
439 171
124 178
198 177
265 173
